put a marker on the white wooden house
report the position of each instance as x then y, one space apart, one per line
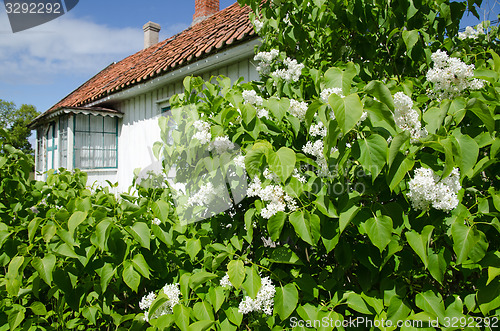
108 125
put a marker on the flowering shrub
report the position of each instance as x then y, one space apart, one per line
336 187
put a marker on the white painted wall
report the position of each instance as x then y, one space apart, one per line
139 128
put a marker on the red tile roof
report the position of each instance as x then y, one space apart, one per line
227 27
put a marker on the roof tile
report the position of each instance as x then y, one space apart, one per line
223 28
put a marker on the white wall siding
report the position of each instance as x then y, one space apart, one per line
139 128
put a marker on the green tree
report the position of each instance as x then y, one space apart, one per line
15 121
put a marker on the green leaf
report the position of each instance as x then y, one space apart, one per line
285 300
234 315
302 226
16 317
201 325
396 144
275 224
381 92
493 272
356 302
45 267
130 276
200 278
140 232
161 210
469 151
410 38
100 236
193 247
284 255
347 111
431 303
75 220
32 228
66 250
38 308
398 310
334 77
236 272
373 152
488 298
401 166
255 157
141 265
14 265
278 107
468 242
437 266
282 163
379 230
420 242
483 112
216 297
181 317
106 273
203 311
252 282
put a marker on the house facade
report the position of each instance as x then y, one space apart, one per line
107 126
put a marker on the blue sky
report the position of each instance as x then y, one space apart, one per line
42 65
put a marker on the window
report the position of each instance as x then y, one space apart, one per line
40 149
50 157
63 142
96 142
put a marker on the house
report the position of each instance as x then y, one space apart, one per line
108 125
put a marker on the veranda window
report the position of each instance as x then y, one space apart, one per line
95 144
63 142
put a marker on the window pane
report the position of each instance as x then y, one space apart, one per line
95 144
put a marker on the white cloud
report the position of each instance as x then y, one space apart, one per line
65 46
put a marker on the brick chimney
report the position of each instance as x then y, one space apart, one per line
151 34
204 9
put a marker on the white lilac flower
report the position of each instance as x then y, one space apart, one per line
262 113
225 282
471 33
263 302
265 59
427 190
221 145
251 97
298 176
363 117
268 242
274 196
258 25
156 221
147 301
318 130
171 291
325 94
405 116
451 76
204 196
316 149
298 109
268 174
239 161
292 73
203 132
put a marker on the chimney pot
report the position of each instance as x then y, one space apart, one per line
151 34
204 9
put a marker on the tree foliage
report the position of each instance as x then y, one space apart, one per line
15 121
372 195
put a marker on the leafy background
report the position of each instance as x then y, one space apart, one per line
80 258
